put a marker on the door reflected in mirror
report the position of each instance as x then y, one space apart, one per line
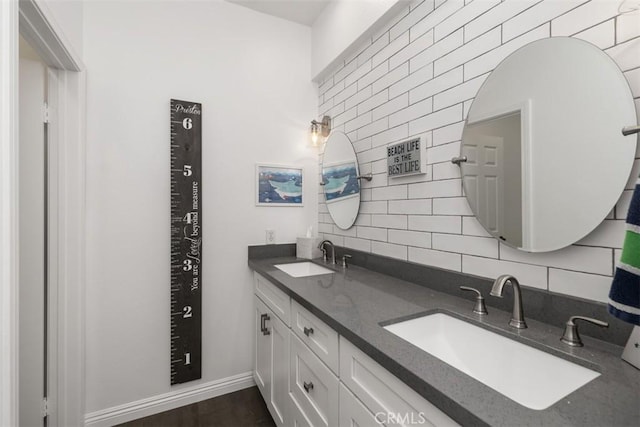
340 180
546 158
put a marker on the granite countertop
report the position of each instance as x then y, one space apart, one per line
355 301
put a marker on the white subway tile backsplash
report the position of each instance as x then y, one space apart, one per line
602 35
376 100
462 16
627 26
610 234
434 258
419 12
390 107
446 170
451 206
389 250
363 245
411 50
434 52
491 59
434 18
439 84
443 153
626 55
392 192
348 92
534 16
472 227
393 47
460 93
417 206
417 77
473 49
389 221
577 258
435 120
435 223
470 245
589 286
372 233
412 112
414 79
587 15
373 75
418 239
430 189
448 133
532 276
358 122
394 134
495 17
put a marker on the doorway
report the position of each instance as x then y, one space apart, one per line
33 206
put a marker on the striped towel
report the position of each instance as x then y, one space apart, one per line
624 297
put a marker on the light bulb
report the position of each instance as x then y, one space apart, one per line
314 134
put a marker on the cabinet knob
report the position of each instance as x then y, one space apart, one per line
307 331
307 386
263 327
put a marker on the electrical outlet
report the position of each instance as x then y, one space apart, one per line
271 236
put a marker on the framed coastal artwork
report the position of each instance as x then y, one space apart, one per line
278 185
340 181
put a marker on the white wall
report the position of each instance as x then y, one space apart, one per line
341 27
251 74
68 16
418 78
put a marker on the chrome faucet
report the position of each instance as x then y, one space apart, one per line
517 317
322 245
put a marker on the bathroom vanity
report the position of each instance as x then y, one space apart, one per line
324 357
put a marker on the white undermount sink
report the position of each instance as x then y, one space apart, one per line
529 376
303 269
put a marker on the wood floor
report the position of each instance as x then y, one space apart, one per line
244 408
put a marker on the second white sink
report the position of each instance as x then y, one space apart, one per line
303 269
529 376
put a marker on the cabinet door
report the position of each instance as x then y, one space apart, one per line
279 393
353 413
262 358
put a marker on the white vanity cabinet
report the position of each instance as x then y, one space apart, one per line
271 367
310 376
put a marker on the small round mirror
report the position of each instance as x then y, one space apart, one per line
340 180
545 157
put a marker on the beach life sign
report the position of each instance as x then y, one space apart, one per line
405 158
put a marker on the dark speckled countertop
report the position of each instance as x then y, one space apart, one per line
355 301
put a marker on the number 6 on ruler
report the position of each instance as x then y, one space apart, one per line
187 123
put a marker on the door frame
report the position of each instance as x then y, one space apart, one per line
67 90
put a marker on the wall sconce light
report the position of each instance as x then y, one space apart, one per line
320 129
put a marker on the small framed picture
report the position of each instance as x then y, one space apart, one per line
278 185
340 181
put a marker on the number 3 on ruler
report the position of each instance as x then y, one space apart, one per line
187 265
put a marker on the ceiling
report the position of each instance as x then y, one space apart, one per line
303 12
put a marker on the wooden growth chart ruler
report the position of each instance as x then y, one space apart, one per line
186 241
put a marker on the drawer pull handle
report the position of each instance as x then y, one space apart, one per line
307 386
307 331
263 328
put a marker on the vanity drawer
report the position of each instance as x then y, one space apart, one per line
383 393
297 418
354 413
320 338
273 297
313 386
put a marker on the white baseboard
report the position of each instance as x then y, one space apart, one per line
164 402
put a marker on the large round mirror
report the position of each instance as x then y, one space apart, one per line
545 157
340 180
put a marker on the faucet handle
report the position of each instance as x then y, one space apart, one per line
344 260
571 336
324 253
480 307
